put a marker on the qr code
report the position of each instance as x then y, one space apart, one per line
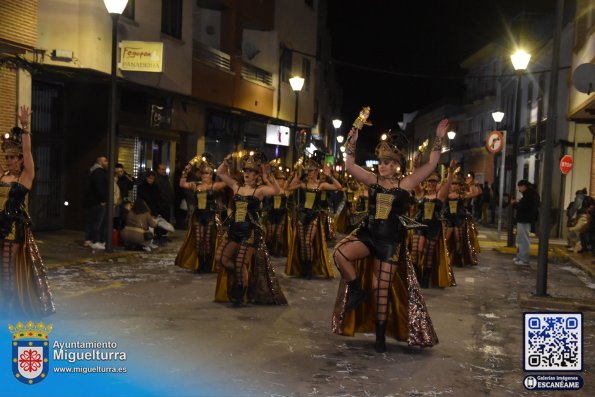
553 342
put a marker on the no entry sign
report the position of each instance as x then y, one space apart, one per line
566 164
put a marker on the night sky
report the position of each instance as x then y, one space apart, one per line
376 41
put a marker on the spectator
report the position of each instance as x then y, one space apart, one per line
587 235
486 198
526 214
137 231
97 204
578 226
166 193
125 181
149 192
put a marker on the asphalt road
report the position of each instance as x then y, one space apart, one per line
169 313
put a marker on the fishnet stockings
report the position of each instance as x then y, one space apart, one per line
7 271
306 237
346 252
383 276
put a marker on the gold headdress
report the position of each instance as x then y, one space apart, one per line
277 169
11 142
202 163
250 162
310 164
386 150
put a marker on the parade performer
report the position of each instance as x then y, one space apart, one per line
277 216
199 246
348 218
461 233
428 251
387 273
24 285
242 253
308 254
325 204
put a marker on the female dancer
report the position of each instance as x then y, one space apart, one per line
308 255
464 250
236 253
391 278
426 242
347 217
196 252
24 285
277 214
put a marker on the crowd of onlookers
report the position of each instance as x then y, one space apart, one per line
143 208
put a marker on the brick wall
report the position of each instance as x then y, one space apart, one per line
18 22
8 99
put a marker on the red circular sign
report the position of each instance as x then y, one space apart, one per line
494 142
566 164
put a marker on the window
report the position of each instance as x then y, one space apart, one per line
171 18
286 60
129 10
306 73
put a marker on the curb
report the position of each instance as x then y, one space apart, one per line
550 302
590 270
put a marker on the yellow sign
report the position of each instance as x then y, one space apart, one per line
141 56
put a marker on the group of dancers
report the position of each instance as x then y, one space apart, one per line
404 232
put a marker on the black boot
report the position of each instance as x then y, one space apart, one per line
237 295
380 344
355 295
425 280
308 270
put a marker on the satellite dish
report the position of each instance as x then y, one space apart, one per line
584 78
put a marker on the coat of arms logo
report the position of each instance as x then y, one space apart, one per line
30 351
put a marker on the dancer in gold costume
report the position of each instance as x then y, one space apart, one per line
24 285
374 261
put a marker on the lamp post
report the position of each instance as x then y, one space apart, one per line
297 83
520 60
498 116
337 124
451 135
115 8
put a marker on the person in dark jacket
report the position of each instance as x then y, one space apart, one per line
149 191
526 214
125 181
97 204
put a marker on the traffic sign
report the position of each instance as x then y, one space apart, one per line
566 164
494 142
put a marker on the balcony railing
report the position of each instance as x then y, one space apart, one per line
211 56
253 73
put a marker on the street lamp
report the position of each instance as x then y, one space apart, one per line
297 83
337 124
498 116
451 135
520 60
115 8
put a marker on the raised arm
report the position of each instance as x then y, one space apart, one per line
295 182
334 185
360 174
223 173
183 179
272 186
445 187
28 173
421 173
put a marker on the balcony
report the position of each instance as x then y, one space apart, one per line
211 56
256 74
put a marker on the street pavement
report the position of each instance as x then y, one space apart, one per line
143 300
